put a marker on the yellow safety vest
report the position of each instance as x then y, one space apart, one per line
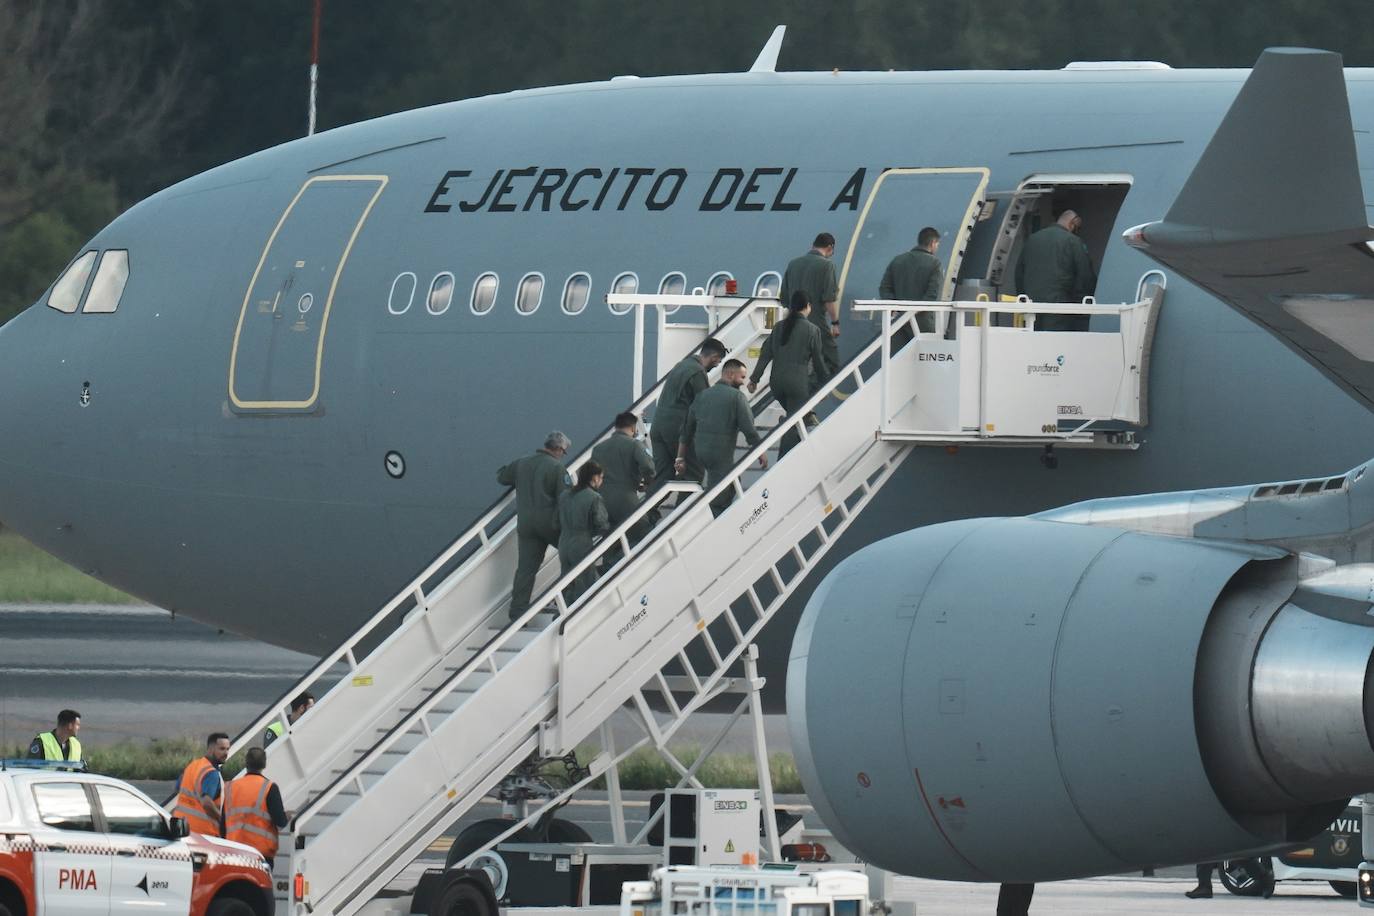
52 748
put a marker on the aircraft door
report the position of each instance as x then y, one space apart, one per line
901 203
278 347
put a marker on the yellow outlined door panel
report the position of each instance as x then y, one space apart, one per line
278 348
902 202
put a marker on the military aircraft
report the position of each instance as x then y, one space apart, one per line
267 395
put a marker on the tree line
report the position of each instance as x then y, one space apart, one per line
103 102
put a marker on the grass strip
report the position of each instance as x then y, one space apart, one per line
165 758
30 576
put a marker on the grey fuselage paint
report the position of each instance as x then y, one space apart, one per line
293 524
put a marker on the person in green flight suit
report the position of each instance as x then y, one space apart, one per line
915 276
681 385
793 346
1055 267
714 424
538 480
581 516
628 470
814 275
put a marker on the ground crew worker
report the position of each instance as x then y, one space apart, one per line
682 384
538 480
628 470
201 788
254 813
718 416
915 275
792 347
1055 267
814 275
298 708
59 743
581 516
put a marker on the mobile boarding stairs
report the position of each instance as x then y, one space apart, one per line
441 697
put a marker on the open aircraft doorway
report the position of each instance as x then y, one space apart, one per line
278 345
902 202
1036 202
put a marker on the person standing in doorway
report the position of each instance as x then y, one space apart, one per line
1055 267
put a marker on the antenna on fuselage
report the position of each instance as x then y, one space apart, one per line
767 61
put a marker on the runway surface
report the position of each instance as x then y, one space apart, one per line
139 672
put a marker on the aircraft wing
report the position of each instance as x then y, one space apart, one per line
1272 219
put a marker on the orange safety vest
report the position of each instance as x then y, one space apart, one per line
188 798
246 818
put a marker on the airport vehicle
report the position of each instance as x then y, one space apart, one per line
78 843
766 891
318 442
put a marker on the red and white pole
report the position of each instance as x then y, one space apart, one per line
314 64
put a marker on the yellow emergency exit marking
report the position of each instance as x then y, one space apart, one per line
991 427
362 680
829 507
452 793
754 352
701 624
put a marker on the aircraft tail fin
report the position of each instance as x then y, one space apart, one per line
1283 162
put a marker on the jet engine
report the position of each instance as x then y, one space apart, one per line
1027 700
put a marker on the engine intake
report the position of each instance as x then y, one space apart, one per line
1026 700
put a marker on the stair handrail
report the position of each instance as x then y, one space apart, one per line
278 710
473 664
853 368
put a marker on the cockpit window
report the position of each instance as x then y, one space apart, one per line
66 292
108 285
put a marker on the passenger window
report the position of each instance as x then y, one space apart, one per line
628 282
484 293
847 908
768 285
440 293
402 293
66 292
672 284
128 814
576 292
64 805
529 293
716 286
108 285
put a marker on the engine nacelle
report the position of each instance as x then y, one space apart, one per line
1023 700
